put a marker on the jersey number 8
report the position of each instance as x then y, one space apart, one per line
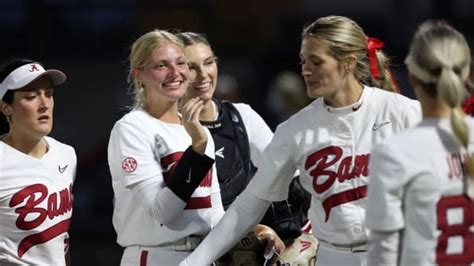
459 230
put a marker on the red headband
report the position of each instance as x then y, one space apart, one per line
373 45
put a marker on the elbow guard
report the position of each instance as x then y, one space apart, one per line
188 174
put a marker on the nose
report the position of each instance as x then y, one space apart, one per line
200 73
45 102
174 70
305 71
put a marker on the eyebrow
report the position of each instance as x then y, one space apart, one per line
26 89
313 56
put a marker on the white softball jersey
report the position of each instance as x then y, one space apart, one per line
142 148
258 132
417 186
35 204
331 149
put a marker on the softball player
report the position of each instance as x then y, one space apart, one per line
420 202
167 195
36 171
329 142
240 136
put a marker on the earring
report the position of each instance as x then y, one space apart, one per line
9 120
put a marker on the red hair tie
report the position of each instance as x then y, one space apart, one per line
468 105
373 45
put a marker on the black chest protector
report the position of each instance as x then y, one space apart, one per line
235 170
234 166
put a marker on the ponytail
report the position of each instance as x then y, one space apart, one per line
380 74
439 56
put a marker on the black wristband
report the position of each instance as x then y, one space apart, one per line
188 174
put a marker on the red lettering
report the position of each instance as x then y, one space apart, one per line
53 206
35 195
456 165
323 162
32 202
344 170
320 159
65 201
30 192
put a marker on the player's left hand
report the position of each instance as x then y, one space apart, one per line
268 237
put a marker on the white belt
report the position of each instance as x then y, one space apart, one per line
355 248
188 243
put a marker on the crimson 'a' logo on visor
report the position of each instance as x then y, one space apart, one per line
34 67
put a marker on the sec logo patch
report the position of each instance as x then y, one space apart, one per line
129 164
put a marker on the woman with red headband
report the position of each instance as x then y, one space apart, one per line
329 142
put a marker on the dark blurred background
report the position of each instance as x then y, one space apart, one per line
255 42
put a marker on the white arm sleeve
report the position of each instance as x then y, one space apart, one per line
383 248
244 213
217 213
159 202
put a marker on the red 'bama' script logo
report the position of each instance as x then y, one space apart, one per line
169 163
58 203
321 163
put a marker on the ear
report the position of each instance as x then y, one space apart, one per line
350 62
135 73
5 108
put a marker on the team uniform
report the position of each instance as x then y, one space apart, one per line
143 149
35 204
331 149
418 187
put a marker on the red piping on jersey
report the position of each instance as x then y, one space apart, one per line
143 258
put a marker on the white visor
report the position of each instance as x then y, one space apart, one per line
28 73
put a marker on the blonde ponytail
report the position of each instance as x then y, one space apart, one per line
439 56
385 80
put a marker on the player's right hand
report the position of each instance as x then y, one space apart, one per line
273 244
190 120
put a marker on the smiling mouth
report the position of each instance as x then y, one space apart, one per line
202 86
174 84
